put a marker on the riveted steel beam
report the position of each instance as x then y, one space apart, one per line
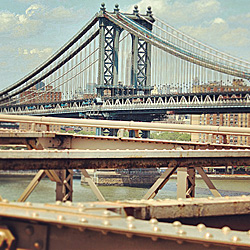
74 141
70 225
80 159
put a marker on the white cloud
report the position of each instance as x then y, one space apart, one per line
27 1
218 20
206 21
30 53
28 58
18 25
180 11
34 9
218 33
243 19
60 13
7 20
34 19
3 64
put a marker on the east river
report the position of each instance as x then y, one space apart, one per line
12 187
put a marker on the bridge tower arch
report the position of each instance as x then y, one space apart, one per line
141 54
109 51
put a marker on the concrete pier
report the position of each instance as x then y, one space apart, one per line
124 177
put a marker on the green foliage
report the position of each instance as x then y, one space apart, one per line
244 168
79 133
126 133
71 132
174 136
12 147
86 133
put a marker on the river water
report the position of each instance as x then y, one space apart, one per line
12 187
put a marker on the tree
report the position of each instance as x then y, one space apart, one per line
174 136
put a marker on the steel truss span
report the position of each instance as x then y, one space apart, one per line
111 107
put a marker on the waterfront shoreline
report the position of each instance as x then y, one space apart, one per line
174 176
221 176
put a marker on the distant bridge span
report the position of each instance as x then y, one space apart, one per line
130 54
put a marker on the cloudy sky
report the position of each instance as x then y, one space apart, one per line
31 30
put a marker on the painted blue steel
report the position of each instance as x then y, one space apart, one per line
150 35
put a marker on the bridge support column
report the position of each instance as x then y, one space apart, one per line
159 184
148 69
101 53
64 189
185 182
116 53
141 57
134 64
181 183
108 54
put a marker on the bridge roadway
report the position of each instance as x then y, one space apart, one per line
139 108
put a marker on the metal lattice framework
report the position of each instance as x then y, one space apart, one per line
109 55
142 62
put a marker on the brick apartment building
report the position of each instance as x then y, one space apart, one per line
40 94
230 120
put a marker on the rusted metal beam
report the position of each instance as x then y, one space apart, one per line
221 208
92 185
35 181
209 183
53 176
84 159
73 141
159 184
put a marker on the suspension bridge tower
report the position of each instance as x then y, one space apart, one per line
109 54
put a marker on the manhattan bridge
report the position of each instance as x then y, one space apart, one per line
131 66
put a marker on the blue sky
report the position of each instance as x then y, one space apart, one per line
31 30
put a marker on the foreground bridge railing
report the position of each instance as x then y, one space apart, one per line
124 125
67 225
120 225
118 152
